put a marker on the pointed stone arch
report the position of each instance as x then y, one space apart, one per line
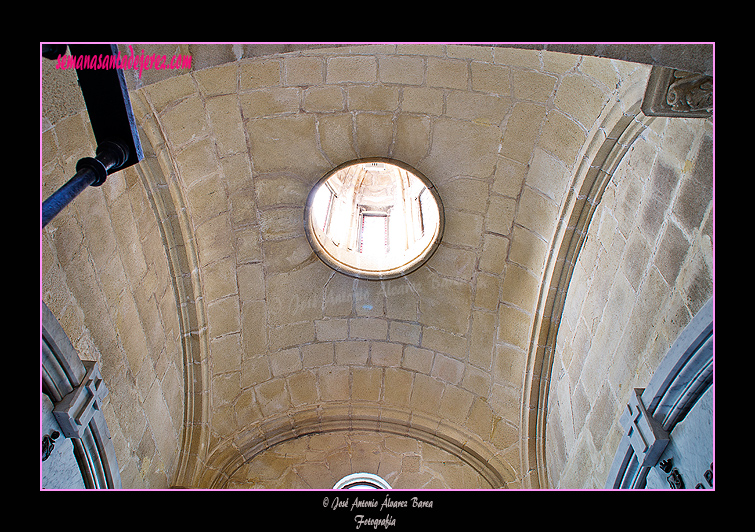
621 124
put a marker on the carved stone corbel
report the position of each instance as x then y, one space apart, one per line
676 93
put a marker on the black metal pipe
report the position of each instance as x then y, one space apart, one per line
89 172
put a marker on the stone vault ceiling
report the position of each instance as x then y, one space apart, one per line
278 350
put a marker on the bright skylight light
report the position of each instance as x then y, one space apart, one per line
374 219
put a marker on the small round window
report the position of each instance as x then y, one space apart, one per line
374 219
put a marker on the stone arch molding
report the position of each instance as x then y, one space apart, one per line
326 418
159 177
620 125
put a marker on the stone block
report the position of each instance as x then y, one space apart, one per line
254 327
333 383
324 99
636 259
369 298
218 80
455 404
290 335
447 369
331 329
339 296
251 282
374 134
480 419
372 98
405 70
273 397
444 342
494 251
562 136
258 74
224 316
447 73
366 384
226 124
351 69
509 177
401 301
184 122
397 386
533 86
441 307
463 228
254 370
207 198
412 138
581 98
513 326
482 339
296 296
522 129
317 354
506 401
465 195
270 102
537 213
461 148
285 362
161 94
476 381
246 410
248 244
422 100
426 393
225 387
671 253
520 288
405 333
548 175
196 160
500 215
303 71
453 262
486 292
237 172
368 328
491 78
286 143
695 193
476 107
302 388
226 353
385 354
417 359
336 137
352 352
504 435
601 417
279 190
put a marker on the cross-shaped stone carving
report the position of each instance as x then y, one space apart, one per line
646 435
76 409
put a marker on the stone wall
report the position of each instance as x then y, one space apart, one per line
645 269
106 279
